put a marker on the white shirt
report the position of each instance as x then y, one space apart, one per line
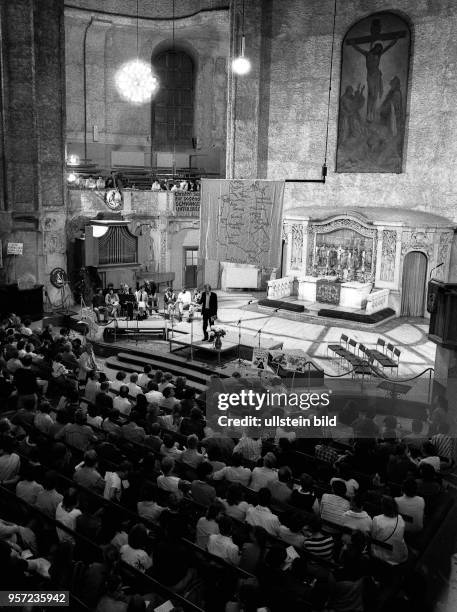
262 476
391 531
263 517
433 461
68 519
207 296
122 404
204 529
234 474
154 397
168 483
92 388
136 557
413 507
223 547
134 389
143 379
184 297
112 481
360 521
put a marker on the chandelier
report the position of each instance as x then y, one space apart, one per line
135 80
241 65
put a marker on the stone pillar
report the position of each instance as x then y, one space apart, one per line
33 109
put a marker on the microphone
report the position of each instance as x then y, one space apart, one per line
435 268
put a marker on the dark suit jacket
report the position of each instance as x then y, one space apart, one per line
212 304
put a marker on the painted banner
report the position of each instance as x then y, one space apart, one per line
260 358
241 221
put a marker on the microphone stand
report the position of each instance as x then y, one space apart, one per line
239 343
259 332
191 316
435 268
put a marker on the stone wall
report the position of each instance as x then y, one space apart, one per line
283 136
110 41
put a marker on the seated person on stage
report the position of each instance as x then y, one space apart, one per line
112 303
142 301
183 301
153 298
197 296
98 303
127 301
169 301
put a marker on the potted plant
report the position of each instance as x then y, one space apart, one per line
216 335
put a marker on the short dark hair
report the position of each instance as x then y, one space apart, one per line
123 391
90 458
264 496
389 506
50 480
339 488
138 536
284 474
204 470
225 525
410 487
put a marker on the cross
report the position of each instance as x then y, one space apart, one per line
376 35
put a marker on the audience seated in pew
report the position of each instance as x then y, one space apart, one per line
242 513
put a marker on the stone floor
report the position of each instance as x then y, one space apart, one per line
409 335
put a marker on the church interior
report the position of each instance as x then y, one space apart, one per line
206 199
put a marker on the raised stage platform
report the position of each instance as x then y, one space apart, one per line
229 347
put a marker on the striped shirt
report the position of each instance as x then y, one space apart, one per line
333 508
444 446
320 546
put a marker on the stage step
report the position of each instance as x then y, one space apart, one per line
114 364
135 363
179 368
169 360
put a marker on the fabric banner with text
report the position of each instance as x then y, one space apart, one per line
241 221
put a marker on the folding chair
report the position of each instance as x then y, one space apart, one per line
338 350
382 343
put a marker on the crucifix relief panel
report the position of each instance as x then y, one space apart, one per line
373 92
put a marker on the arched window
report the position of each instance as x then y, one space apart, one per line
173 109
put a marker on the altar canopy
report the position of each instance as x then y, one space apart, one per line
241 221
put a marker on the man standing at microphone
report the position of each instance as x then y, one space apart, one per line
208 303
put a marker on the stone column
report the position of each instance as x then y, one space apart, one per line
33 109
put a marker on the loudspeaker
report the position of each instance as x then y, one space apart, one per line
442 306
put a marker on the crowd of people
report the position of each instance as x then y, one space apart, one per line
143 302
116 180
129 473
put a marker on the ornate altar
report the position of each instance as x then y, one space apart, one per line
344 247
327 291
364 251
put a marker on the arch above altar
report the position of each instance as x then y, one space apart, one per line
363 250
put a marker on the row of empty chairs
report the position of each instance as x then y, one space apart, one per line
362 359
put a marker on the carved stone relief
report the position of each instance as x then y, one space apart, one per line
296 258
389 247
